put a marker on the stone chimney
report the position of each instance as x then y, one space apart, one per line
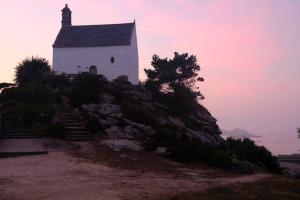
66 21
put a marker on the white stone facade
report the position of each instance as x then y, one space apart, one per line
110 50
80 59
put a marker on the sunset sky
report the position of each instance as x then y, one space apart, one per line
249 50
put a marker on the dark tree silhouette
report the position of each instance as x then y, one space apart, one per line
31 70
174 75
5 85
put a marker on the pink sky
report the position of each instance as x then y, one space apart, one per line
248 50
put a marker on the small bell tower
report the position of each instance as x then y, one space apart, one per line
66 21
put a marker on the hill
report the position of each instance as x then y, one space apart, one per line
239 134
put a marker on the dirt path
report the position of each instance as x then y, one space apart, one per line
59 176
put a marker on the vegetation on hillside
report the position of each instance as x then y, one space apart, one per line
173 87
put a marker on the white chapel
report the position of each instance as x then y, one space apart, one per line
110 50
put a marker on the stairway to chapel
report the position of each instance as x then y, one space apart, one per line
74 130
11 128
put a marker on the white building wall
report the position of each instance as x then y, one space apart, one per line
67 60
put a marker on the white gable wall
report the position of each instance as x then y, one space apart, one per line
67 60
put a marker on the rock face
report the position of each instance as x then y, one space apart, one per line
129 113
105 109
204 137
162 151
173 122
120 144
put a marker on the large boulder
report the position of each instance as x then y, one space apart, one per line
130 131
108 122
162 151
110 110
127 132
172 122
120 144
104 109
116 132
147 130
89 107
107 98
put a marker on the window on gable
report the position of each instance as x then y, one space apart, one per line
112 59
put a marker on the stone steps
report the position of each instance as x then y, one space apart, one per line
78 138
15 136
74 130
16 131
13 130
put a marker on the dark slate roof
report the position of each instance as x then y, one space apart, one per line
95 35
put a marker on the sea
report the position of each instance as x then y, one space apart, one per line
280 144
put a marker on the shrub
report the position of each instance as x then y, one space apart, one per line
187 150
31 93
140 113
51 130
117 93
60 82
121 80
32 69
152 86
93 124
8 95
221 159
117 88
34 93
85 89
36 114
246 149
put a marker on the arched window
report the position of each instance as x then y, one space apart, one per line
93 70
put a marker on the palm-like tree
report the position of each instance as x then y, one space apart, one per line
31 70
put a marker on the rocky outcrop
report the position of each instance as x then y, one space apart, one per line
122 144
162 151
172 122
147 130
129 113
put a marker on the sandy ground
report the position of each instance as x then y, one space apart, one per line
22 145
61 176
